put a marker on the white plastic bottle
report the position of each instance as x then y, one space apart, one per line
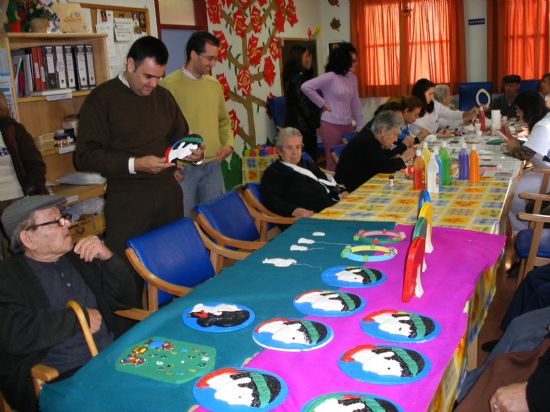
432 175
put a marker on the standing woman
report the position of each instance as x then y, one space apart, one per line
531 110
300 112
340 99
432 111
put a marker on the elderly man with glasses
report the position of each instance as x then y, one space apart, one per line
35 285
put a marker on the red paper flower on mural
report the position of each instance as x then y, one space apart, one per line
274 48
244 3
214 11
262 2
256 20
254 52
281 4
227 3
279 21
225 86
235 122
239 24
222 50
291 13
269 71
243 81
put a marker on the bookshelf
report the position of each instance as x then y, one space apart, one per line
42 116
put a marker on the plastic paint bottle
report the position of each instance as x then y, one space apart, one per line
482 119
474 165
464 161
418 171
425 153
445 165
439 165
432 175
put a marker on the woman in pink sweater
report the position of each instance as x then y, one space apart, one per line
339 100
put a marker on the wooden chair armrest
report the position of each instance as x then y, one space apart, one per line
84 325
224 240
220 250
280 220
152 279
530 217
535 196
134 313
44 373
544 171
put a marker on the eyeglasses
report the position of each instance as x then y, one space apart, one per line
60 222
209 58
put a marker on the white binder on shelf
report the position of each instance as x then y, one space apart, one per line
90 65
69 62
61 67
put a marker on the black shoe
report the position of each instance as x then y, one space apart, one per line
489 346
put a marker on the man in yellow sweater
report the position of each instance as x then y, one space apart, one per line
200 98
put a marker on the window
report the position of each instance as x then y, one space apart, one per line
399 42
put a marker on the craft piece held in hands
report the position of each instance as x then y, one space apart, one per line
183 148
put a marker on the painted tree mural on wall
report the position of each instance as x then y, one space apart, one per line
257 25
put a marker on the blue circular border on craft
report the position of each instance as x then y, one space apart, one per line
205 396
192 322
355 371
371 329
328 277
264 340
306 308
339 395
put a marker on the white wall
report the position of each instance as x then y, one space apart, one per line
476 41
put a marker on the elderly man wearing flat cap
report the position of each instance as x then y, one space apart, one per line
505 102
35 285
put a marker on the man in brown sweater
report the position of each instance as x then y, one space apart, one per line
126 125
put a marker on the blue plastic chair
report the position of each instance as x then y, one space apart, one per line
467 94
533 244
173 259
529 85
348 137
276 107
253 197
229 222
336 152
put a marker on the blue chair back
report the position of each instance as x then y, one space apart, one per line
255 187
276 107
229 216
174 253
529 85
337 150
467 94
348 137
306 156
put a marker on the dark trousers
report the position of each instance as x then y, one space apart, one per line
137 206
310 143
532 293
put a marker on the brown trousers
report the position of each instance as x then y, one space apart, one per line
504 370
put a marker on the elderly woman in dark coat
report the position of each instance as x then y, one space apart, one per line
295 187
373 151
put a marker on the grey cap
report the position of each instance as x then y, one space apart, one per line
22 208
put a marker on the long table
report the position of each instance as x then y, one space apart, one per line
449 282
479 206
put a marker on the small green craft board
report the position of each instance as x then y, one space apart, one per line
167 360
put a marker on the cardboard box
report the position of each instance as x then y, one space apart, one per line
87 225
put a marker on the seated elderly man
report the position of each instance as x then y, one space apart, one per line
35 326
373 152
295 187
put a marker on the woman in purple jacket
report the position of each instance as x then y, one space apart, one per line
339 100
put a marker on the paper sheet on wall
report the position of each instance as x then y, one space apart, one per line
124 29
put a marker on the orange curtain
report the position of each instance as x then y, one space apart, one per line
410 40
518 39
